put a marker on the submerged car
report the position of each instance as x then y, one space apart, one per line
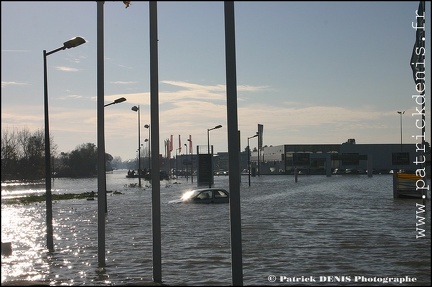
204 195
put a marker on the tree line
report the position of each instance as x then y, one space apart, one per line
23 157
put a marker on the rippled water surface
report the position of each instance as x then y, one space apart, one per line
343 226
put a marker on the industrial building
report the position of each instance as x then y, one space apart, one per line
345 158
348 157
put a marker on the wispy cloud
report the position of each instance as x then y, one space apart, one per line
70 97
67 69
214 88
5 84
123 82
193 108
15 51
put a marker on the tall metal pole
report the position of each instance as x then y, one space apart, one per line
401 113
137 109
233 146
210 157
191 158
139 147
119 100
155 175
49 217
249 163
259 168
149 149
101 134
66 45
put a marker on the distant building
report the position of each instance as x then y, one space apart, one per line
348 157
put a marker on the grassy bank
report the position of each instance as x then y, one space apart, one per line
42 198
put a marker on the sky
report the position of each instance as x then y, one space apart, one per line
309 72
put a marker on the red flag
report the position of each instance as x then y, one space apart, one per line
179 144
190 144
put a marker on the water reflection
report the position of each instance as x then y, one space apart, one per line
101 276
317 227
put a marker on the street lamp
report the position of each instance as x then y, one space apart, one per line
147 126
208 151
148 148
249 164
117 101
137 109
401 113
187 170
191 158
66 45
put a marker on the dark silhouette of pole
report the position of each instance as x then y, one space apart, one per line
210 155
149 141
117 101
154 121
233 146
187 170
191 159
101 134
66 45
249 163
401 113
137 109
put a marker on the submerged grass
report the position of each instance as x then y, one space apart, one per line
42 198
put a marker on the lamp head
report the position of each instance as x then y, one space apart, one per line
120 100
72 43
135 108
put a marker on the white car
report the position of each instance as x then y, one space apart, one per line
204 195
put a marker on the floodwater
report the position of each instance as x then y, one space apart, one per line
339 230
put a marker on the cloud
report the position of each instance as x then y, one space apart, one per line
195 105
5 84
123 82
193 108
185 92
67 69
70 97
16 51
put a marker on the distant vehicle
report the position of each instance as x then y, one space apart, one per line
146 175
204 195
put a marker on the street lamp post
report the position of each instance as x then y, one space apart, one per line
117 101
148 147
176 162
187 170
137 109
401 113
66 45
147 126
191 158
249 163
208 151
